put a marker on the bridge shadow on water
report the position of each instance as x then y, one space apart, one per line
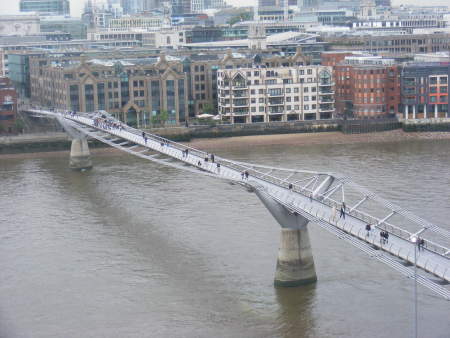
296 311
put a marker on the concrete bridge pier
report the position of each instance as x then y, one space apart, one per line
80 156
295 263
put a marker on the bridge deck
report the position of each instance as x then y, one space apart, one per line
433 259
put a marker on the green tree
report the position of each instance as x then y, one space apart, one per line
19 125
242 16
208 108
160 118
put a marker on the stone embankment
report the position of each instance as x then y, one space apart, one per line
258 134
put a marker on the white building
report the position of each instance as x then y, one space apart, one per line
261 94
19 25
136 22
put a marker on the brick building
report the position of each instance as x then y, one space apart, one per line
367 87
8 105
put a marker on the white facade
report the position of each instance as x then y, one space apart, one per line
256 94
136 22
19 25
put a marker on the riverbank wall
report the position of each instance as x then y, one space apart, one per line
54 141
426 125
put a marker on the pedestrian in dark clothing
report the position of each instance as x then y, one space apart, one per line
212 158
342 213
290 186
246 175
368 228
218 168
242 175
143 135
187 152
386 236
422 244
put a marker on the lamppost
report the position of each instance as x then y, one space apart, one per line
414 242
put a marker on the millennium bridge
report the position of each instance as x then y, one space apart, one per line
386 232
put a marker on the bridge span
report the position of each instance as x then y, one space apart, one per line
295 198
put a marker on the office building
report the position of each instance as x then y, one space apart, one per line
133 90
46 7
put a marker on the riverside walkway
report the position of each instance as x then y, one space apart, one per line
315 196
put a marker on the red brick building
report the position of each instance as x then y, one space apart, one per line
367 87
8 105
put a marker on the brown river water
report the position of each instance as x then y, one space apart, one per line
133 249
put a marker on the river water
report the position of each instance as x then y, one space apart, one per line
133 249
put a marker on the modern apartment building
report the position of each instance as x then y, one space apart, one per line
424 88
46 7
266 94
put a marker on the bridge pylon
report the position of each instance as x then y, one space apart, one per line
80 156
295 263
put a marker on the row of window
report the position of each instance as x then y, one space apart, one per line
270 91
273 109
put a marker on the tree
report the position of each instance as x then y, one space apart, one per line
208 108
242 16
19 125
161 118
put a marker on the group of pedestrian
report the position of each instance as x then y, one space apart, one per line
384 237
104 123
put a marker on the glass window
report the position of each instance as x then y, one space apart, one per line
89 97
170 96
156 96
101 96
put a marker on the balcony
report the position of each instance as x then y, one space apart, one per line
326 92
326 84
326 100
326 107
240 93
